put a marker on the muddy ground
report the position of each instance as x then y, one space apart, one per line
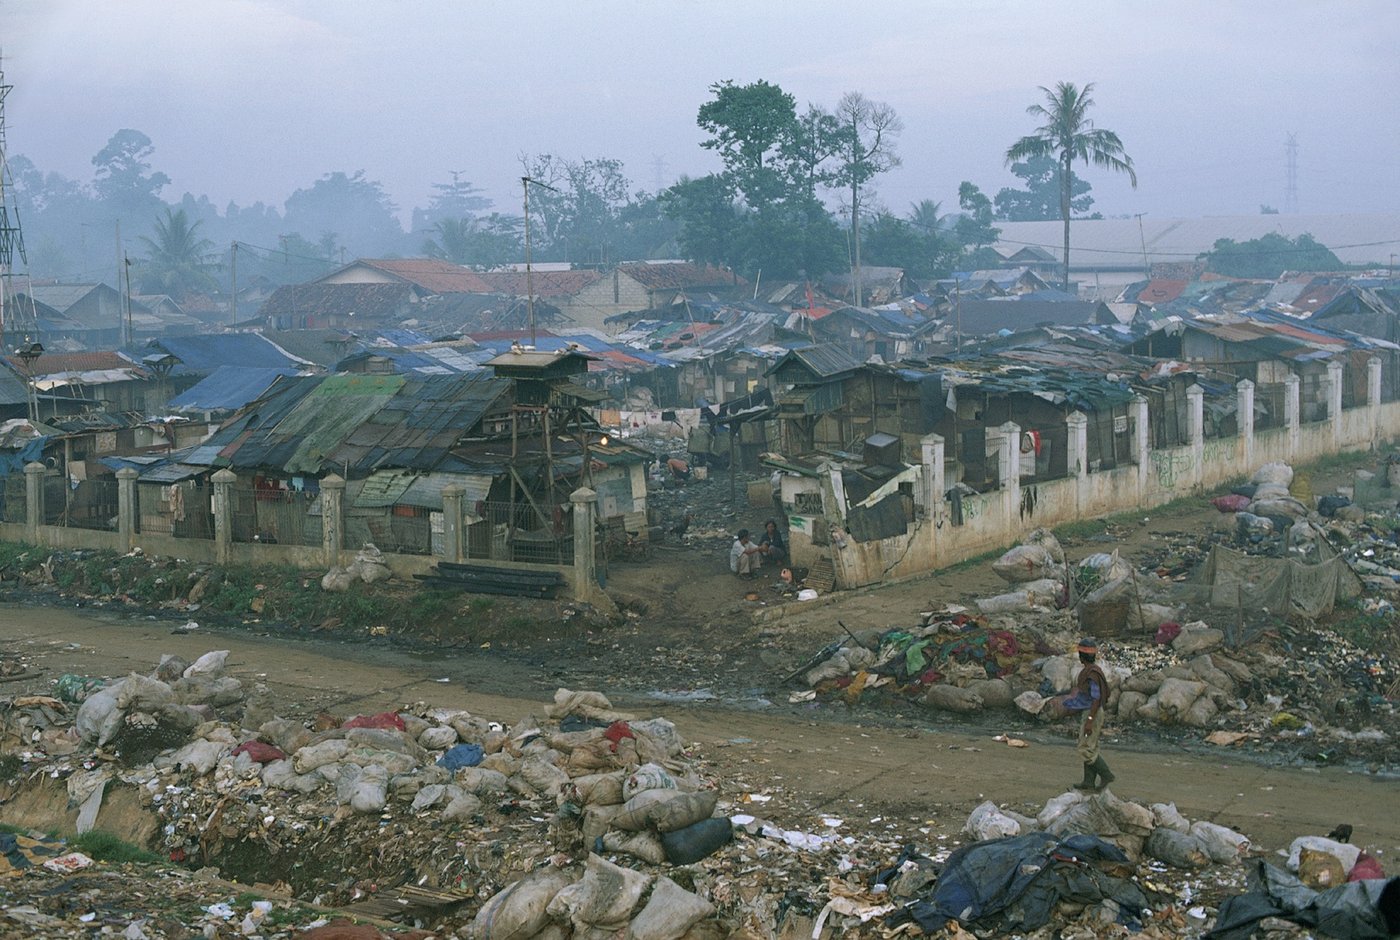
690 648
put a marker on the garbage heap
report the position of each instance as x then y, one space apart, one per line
1296 685
437 798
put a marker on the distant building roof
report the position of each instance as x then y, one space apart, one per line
430 274
1161 291
977 316
322 301
677 275
541 283
1121 244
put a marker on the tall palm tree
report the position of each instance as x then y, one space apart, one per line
1069 135
177 261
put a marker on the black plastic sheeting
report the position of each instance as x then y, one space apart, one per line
1013 884
1351 910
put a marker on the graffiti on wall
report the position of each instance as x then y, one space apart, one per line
1170 466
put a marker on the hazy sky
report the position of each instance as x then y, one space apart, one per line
249 100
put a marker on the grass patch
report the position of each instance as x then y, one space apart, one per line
105 847
975 560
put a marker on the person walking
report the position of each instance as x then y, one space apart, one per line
1090 692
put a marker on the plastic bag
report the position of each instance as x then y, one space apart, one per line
518 911
370 791
669 913
685 810
647 777
691 844
210 664
1025 563
989 822
1224 846
642 845
1178 849
603 899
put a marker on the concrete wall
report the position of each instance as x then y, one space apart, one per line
999 518
223 550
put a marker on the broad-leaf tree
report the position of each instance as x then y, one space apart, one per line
483 244
124 179
177 258
1269 256
708 217
347 205
752 128
1040 200
1068 135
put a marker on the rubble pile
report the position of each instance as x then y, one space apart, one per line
1292 686
580 821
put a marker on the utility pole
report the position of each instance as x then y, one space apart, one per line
1290 191
126 296
1146 268
525 182
233 292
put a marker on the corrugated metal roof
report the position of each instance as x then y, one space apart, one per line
426 489
824 361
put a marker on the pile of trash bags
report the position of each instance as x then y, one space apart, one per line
369 566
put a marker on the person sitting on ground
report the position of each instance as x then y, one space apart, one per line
744 555
774 548
680 470
1090 692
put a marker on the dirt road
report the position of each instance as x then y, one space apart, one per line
899 767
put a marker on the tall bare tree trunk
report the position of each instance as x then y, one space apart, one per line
1065 179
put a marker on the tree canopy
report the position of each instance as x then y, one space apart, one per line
1040 199
1269 256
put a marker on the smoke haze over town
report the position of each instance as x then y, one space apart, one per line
248 101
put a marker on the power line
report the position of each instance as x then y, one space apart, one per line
1192 254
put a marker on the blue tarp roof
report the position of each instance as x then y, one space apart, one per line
227 388
201 355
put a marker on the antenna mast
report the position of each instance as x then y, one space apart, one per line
11 239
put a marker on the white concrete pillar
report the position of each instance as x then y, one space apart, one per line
1244 420
126 507
1334 401
932 455
1077 457
1373 399
452 496
1293 413
1009 470
585 584
223 482
1196 426
332 519
1142 439
33 501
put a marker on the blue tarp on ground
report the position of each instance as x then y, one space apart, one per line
1013 884
1352 910
228 388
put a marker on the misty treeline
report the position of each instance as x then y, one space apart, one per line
782 205
796 195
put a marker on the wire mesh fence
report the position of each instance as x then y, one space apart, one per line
516 532
404 530
90 504
275 516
